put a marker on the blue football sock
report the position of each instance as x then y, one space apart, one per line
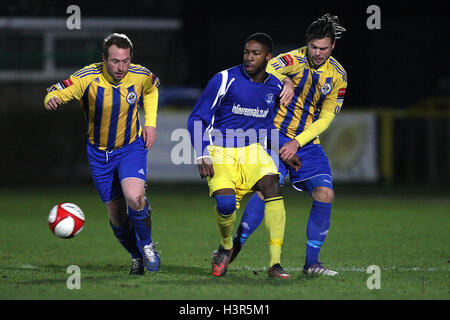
126 236
316 231
142 222
251 218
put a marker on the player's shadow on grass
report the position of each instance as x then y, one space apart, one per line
190 275
178 269
56 274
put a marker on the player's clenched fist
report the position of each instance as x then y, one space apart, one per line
205 167
53 103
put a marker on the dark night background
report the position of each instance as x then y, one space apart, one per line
406 61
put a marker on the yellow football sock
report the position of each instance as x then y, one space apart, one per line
275 219
225 225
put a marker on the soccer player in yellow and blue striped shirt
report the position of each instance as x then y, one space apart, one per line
111 93
319 88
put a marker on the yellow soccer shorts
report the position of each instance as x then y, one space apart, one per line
239 168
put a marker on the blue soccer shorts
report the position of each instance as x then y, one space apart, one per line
315 171
110 167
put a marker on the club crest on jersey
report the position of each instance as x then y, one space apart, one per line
326 88
131 97
269 98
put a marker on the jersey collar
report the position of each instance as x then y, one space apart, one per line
247 76
109 78
320 68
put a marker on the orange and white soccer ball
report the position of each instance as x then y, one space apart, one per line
66 220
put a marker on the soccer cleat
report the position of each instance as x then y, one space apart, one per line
318 269
277 271
137 267
220 261
150 257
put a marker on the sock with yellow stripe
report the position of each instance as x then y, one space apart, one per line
275 219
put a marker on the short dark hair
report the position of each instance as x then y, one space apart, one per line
327 26
263 38
118 39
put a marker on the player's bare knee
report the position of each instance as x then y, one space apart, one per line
323 194
269 186
136 201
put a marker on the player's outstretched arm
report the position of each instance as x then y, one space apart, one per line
64 91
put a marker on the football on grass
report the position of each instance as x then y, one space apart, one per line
66 220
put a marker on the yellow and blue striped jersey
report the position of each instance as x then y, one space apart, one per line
317 91
111 107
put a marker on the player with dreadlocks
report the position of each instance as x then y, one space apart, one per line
319 83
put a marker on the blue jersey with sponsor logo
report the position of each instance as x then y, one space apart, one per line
234 111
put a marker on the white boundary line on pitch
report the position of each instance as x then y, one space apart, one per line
28 266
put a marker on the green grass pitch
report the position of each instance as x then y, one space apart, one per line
404 231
